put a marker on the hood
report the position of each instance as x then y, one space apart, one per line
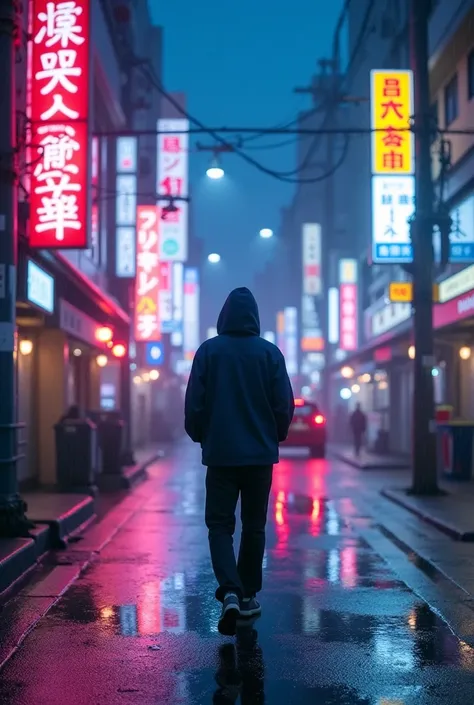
239 315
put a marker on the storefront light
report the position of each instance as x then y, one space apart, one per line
146 376
365 378
154 375
137 379
119 350
411 352
77 352
383 385
465 352
347 372
355 389
26 347
101 360
104 334
345 393
435 372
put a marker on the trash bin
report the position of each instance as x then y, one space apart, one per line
77 457
110 428
455 449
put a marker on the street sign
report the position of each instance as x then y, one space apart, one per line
402 292
154 353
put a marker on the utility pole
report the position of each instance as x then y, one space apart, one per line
13 521
422 226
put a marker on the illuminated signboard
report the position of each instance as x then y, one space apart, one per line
40 287
173 150
60 86
312 259
191 313
393 204
393 163
147 285
348 307
290 320
126 206
391 98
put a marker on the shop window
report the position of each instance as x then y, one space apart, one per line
470 75
451 101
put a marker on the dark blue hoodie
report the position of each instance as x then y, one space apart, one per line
239 402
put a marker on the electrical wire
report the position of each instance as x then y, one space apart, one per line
148 71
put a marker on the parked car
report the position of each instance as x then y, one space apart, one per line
308 429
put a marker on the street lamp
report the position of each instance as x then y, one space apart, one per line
266 233
215 171
214 258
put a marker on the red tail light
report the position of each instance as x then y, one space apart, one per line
299 402
319 420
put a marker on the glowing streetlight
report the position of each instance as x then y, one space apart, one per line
465 352
266 233
214 258
215 171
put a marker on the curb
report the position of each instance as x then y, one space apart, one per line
447 529
95 540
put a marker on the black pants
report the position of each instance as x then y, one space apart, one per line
357 443
223 487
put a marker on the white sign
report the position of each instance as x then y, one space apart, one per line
388 317
125 238
456 285
178 284
291 339
126 205
333 315
347 271
40 287
393 204
173 152
126 155
312 284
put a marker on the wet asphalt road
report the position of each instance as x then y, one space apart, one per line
339 627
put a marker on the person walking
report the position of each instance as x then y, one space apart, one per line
239 405
359 427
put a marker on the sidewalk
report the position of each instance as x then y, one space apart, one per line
59 517
451 513
367 460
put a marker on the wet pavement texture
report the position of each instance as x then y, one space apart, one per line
339 627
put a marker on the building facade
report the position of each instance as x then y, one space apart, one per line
380 374
71 318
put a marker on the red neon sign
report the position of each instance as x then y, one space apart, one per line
348 317
147 286
60 72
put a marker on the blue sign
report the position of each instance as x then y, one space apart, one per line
462 232
40 287
154 354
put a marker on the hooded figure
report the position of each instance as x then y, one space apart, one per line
239 402
239 406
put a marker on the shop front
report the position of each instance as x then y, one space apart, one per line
69 352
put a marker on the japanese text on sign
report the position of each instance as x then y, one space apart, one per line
173 150
348 317
59 113
393 205
312 259
147 286
392 109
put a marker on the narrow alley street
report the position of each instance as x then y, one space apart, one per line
340 625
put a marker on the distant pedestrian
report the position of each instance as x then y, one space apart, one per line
358 422
239 406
